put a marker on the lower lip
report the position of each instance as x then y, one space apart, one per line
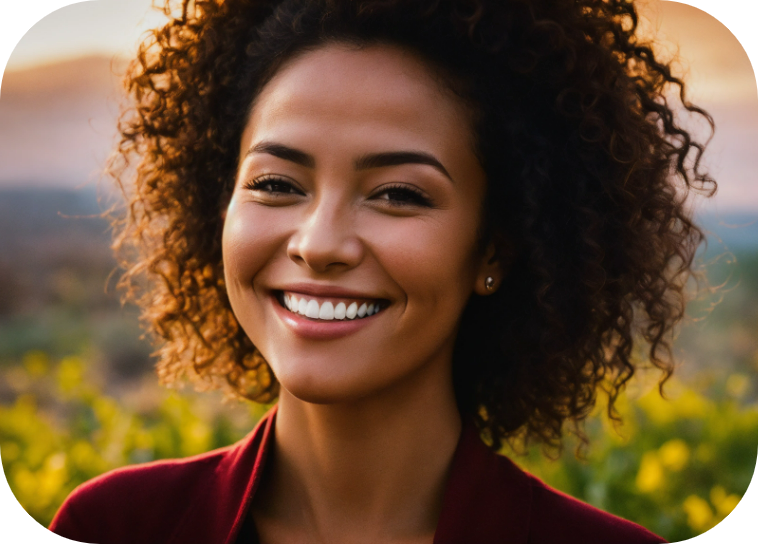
320 330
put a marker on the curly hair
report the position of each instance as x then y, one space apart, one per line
587 168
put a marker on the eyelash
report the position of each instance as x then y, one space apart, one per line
417 198
272 181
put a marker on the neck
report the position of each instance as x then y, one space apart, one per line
368 470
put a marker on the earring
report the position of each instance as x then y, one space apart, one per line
489 283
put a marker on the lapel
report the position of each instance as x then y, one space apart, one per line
243 479
487 499
217 516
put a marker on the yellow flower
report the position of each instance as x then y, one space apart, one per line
196 437
23 483
70 374
692 406
659 411
718 494
650 475
674 454
724 503
50 479
728 504
699 514
106 410
84 458
143 440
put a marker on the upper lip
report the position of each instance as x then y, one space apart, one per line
320 290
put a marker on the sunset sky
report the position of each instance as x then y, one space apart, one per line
714 63
86 28
115 26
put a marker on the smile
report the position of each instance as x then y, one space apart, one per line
329 309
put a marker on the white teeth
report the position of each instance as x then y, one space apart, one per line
328 311
312 309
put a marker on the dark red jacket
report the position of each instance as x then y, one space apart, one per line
205 500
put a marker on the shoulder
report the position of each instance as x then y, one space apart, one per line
196 499
137 501
170 476
558 517
489 499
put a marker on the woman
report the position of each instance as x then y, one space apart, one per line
427 228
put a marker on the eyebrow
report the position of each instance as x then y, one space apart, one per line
283 152
368 161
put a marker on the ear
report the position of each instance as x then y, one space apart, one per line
494 264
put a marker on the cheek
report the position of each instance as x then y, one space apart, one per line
251 237
431 260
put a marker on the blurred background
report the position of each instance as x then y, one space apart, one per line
78 395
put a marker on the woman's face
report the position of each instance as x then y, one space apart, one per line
357 189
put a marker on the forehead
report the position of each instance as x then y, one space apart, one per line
366 95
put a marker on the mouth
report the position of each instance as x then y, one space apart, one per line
330 308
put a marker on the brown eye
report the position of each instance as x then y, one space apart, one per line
403 195
274 186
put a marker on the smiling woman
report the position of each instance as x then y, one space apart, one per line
425 228
360 194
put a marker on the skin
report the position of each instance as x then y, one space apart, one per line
367 422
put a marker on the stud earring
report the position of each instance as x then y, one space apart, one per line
489 283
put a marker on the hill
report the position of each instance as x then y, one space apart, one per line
57 122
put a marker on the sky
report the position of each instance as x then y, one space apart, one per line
85 28
717 69
115 26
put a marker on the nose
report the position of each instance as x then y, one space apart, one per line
326 240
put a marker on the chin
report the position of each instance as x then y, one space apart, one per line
320 388
322 378
321 393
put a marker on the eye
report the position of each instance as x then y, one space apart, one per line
273 186
403 195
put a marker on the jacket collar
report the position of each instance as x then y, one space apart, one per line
217 514
487 498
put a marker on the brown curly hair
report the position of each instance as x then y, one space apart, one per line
587 169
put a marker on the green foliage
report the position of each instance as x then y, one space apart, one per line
61 429
676 466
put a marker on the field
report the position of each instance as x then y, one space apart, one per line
78 396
